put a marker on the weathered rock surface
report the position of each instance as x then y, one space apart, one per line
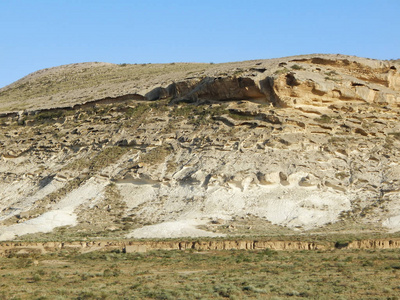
307 143
24 248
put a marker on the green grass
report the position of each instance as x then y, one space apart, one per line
137 111
156 155
338 274
97 161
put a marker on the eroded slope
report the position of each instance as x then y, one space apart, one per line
263 147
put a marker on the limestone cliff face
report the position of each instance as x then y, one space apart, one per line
307 143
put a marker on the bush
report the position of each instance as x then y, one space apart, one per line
111 272
297 67
48 115
281 71
227 290
36 277
324 119
163 294
331 73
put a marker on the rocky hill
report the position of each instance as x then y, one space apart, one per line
296 145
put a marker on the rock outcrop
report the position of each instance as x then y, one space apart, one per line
305 144
25 248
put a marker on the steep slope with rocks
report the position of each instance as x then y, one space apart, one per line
305 144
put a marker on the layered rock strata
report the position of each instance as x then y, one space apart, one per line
21 249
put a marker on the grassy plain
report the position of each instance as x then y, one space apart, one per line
266 274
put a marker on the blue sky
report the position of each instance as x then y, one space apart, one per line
37 34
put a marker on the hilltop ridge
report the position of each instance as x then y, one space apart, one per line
72 84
